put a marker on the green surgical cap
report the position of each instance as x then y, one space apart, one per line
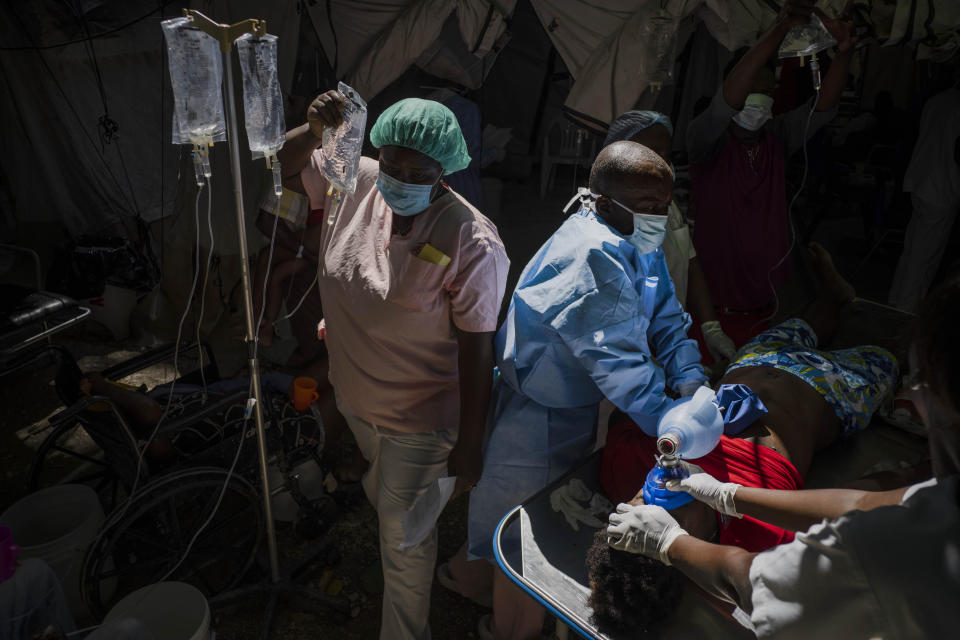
425 126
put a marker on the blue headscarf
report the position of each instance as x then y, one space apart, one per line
631 123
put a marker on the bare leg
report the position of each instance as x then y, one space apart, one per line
474 578
279 275
823 314
516 616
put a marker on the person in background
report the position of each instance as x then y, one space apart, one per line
286 220
655 131
411 277
592 310
933 182
738 154
866 564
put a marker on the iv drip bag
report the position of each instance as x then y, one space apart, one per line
806 39
262 102
196 72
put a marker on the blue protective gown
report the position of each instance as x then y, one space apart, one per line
588 316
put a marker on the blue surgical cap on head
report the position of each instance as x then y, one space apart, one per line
631 123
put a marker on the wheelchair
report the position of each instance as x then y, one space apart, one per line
207 478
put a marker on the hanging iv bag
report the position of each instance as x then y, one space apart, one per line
657 62
806 39
341 146
196 71
262 102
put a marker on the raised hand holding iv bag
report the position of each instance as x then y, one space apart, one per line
262 101
806 39
341 146
196 73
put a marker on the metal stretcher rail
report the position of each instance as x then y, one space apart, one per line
566 559
550 566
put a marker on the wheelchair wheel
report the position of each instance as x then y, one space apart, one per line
144 540
69 455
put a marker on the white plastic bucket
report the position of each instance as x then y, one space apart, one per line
168 610
57 525
310 483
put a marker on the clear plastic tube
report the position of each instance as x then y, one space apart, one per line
196 73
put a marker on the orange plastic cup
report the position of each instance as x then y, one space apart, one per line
304 393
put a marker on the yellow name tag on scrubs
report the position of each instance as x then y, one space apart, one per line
433 255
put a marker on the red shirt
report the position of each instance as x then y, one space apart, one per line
630 454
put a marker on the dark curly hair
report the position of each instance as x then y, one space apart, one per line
631 595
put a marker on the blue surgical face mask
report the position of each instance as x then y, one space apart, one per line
403 198
648 230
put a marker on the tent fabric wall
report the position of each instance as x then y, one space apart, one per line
602 41
603 57
377 41
57 166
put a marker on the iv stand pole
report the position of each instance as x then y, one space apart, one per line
226 35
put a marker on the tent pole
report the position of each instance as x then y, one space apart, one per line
241 221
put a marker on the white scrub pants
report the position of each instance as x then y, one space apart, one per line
923 248
402 467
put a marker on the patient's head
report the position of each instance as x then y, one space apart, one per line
631 595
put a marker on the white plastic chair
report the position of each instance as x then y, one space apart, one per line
564 143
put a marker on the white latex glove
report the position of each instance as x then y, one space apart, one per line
705 488
687 389
720 345
645 529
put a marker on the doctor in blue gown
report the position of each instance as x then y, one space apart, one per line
593 316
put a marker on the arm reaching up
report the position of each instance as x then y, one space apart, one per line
325 111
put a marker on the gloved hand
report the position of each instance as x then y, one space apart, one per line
707 489
720 345
687 389
644 529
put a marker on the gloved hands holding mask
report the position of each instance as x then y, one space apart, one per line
720 345
708 490
643 529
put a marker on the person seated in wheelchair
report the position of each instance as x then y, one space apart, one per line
811 398
144 410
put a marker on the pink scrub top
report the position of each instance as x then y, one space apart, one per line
390 315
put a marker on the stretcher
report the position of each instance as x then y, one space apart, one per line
29 317
546 558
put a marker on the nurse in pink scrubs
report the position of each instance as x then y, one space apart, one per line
411 277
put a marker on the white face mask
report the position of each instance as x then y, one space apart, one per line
757 111
648 230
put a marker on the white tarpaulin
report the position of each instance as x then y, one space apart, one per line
376 41
614 49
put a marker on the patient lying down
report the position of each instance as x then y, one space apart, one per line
813 397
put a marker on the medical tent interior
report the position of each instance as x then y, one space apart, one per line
86 104
97 202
